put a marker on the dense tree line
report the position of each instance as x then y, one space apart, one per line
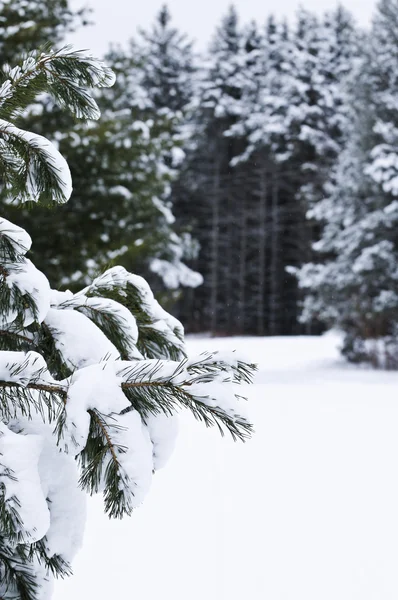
270 122
354 283
267 165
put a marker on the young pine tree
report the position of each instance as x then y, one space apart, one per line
90 383
167 64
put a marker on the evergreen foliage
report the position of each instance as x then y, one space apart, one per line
168 64
269 125
90 383
278 136
354 285
29 24
122 168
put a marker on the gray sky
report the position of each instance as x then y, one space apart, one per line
117 20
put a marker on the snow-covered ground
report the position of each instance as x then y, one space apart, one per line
307 510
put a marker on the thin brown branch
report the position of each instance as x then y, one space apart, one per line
18 335
106 434
127 386
40 387
61 391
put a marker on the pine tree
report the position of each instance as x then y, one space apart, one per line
262 129
356 288
122 173
29 24
122 176
169 79
168 64
90 382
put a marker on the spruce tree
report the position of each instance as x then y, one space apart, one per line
354 285
262 129
123 168
168 64
169 73
90 382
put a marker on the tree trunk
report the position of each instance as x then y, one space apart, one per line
242 266
215 227
262 251
275 259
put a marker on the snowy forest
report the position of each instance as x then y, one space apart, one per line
254 186
250 190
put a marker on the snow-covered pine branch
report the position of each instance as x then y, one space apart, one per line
32 168
65 74
91 383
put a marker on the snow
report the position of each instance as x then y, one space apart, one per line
80 342
19 474
135 457
120 278
104 307
93 387
164 209
55 161
66 505
175 274
59 480
163 431
304 511
24 368
23 278
19 238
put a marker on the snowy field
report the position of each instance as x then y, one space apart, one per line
307 510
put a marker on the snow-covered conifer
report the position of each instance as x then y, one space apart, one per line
355 287
167 61
29 24
293 125
90 383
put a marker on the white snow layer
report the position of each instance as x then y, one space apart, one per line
306 510
19 238
134 456
106 307
23 278
54 159
20 455
94 387
118 277
163 431
79 341
174 274
24 368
